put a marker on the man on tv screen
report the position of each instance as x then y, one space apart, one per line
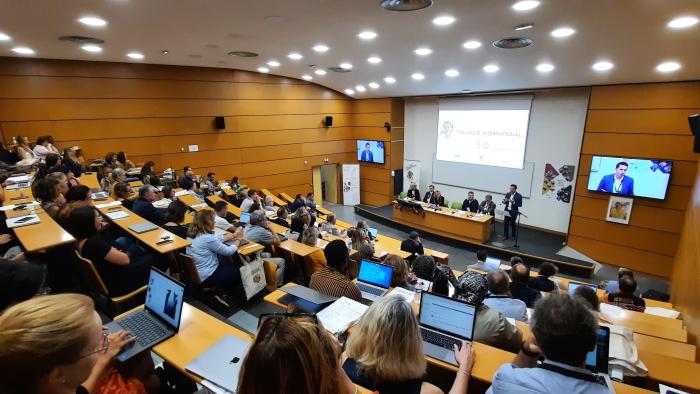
367 154
618 182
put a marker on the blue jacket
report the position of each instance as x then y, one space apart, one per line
607 185
367 156
146 210
517 202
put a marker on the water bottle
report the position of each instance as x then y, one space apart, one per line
417 293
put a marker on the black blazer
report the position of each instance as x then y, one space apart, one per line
429 197
471 206
524 293
440 201
413 247
146 210
414 194
542 284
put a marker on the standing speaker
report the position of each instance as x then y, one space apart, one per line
694 121
328 122
220 122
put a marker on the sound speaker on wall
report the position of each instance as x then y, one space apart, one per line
694 121
220 122
328 122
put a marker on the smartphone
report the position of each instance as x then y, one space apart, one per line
165 241
25 219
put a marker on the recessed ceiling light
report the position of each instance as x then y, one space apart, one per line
91 48
349 92
273 63
320 71
307 77
135 55
93 21
4 37
23 50
491 68
295 56
472 44
367 35
524 26
360 88
544 67
345 66
682 22
603 66
320 48
452 73
562 32
373 85
443 20
390 80
165 52
423 51
667 67
526 5
418 76
263 70
374 60
466 91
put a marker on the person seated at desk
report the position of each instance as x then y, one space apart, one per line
379 359
143 206
590 296
487 207
105 177
117 175
480 265
563 331
316 260
364 227
613 286
211 178
281 218
123 271
413 192
359 239
235 186
490 326
20 282
309 201
71 161
330 226
41 149
424 267
259 231
221 218
24 149
238 199
79 193
499 298
194 181
305 358
429 196
297 228
439 200
250 200
332 279
188 185
206 248
48 192
123 162
413 245
625 297
400 275
57 344
65 182
269 204
297 203
470 204
519 276
542 281
255 207
167 192
148 176
175 218
121 192
54 163
111 160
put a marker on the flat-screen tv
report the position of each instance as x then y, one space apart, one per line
370 151
630 177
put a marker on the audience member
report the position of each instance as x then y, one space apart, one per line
250 200
54 163
41 149
316 260
269 204
121 192
20 282
470 204
490 326
365 251
24 149
238 199
148 176
79 193
281 218
413 245
309 201
296 229
332 279
400 274
234 184
167 192
71 161
590 296
625 298
220 219
123 162
480 265
380 359
563 331
259 231
143 206
298 203
358 238
255 207
175 219
519 276
613 286
211 178
47 191
330 226
441 275
499 298
542 281
52 144
63 183
363 226
111 160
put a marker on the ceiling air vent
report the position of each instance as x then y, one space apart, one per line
81 40
405 5
513 43
337 69
242 54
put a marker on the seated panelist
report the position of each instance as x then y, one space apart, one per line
413 192
470 204
487 207
439 200
429 196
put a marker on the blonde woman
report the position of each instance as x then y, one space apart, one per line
55 344
24 148
379 359
316 260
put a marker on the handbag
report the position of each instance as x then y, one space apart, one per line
252 276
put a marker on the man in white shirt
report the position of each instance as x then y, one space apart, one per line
250 200
42 148
220 222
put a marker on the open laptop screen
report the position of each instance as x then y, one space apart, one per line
245 217
373 232
574 285
164 298
448 315
597 359
375 273
492 264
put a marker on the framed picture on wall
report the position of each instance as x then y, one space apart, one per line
619 210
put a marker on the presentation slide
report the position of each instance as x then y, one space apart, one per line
370 151
630 177
484 132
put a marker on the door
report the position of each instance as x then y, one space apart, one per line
329 177
318 185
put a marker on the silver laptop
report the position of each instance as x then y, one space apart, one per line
142 227
445 322
222 362
158 320
374 279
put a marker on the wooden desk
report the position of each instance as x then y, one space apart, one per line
192 202
18 196
149 238
297 248
250 248
228 192
651 329
465 227
287 197
395 244
670 370
276 227
667 347
231 208
323 211
386 245
43 235
135 184
89 179
276 200
658 304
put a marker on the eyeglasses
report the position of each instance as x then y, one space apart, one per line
104 346
287 315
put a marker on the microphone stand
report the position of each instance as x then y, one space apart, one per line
517 229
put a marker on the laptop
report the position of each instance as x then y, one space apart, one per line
158 320
305 298
597 359
574 285
445 322
372 232
142 227
245 217
374 279
492 264
221 363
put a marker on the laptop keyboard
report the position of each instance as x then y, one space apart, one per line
141 326
370 289
439 339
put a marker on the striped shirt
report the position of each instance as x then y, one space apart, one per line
331 282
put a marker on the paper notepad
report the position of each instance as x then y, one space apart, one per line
199 206
407 295
20 221
340 315
18 179
162 203
109 204
117 215
181 193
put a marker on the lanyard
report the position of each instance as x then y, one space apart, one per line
588 377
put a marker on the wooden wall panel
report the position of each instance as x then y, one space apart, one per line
642 120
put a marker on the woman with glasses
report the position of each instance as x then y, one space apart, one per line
304 356
56 344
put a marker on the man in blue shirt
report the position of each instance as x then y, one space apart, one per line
563 331
143 206
618 182
367 154
499 297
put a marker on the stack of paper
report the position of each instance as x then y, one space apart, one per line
109 204
162 203
181 193
117 215
13 206
664 312
18 179
340 315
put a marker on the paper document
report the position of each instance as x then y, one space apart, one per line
162 203
20 221
109 204
13 206
198 206
611 310
407 295
18 179
117 215
181 193
664 312
340 315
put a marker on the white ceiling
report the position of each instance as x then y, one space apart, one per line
630 33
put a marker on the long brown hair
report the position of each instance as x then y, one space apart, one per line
400 272
304 357
203 223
